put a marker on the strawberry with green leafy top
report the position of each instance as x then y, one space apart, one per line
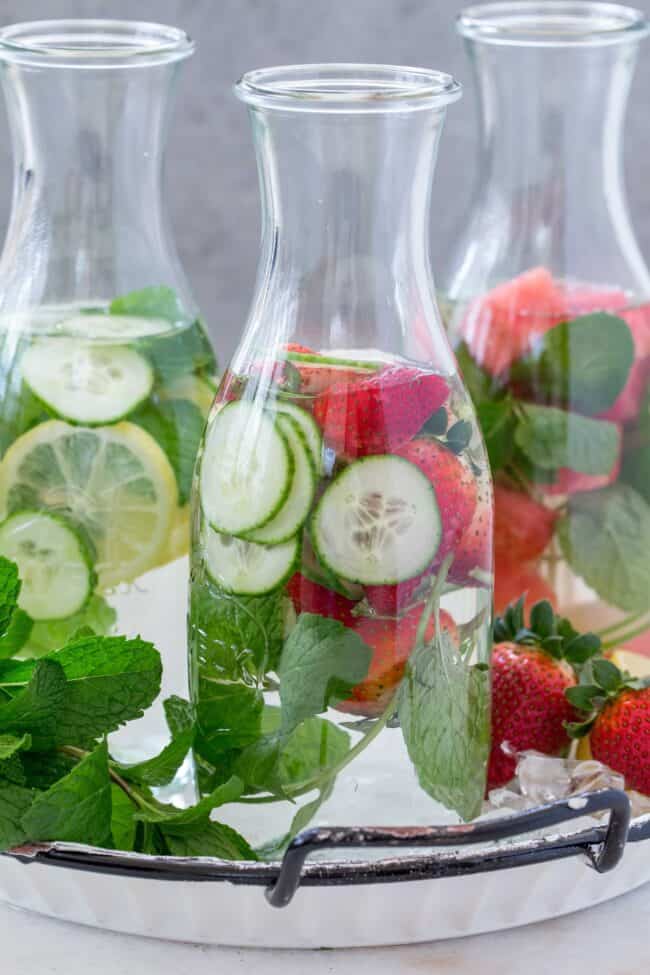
616 715
532 668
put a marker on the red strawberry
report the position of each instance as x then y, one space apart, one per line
378 414
522 527
500 326
297 347
391 600
473 555
511 579
309 597
455 487
530 673
392 642
617 721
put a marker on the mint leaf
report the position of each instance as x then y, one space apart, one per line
582 364
321 662
96 614
552 438
15 801
179 352
77 809
37 708
43 769
238 635
444 711
498 423
16 635
635 470
123 822
605 538
110 680
177 426
10 745
228 717
152 302
207 839
9 590
229 791
161 769
479 383
179 714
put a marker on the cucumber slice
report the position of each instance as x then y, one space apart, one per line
87 384
53 562
378 522
293 513
309 427
244 568
332 362
247 469
115 328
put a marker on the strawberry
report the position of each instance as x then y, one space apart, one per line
380 413
500 326
455 487
532 668
616 715
297 347
310 597
512 578
392 642
473 555
392 600
522 527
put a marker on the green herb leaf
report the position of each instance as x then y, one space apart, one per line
207 839
607 675
46 637
436 425
582 696
179 714
43 769
15 801
321 662
177 426
37 708
110 680
444 711
229 791
542 618
11 745
162 768
479 383
152 302
9 590
179 352
498 423
77 809
600 343
16 635
552 438
123 822
228 717
239 636
605 538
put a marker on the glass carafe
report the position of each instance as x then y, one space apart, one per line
105 369
341 558
546 299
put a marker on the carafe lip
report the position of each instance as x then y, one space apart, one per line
552 23
92 43
347 87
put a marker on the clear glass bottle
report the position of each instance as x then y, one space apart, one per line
106 373
546 297
340 580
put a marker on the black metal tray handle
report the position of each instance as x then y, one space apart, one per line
602 858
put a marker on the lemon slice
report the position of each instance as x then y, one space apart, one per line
115 483
197 389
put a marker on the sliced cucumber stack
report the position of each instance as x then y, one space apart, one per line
246 471
53 563
378 522
293 513
244 568
309 427
85 383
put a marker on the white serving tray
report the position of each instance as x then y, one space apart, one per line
338 904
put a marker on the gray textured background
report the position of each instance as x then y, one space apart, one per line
211 174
